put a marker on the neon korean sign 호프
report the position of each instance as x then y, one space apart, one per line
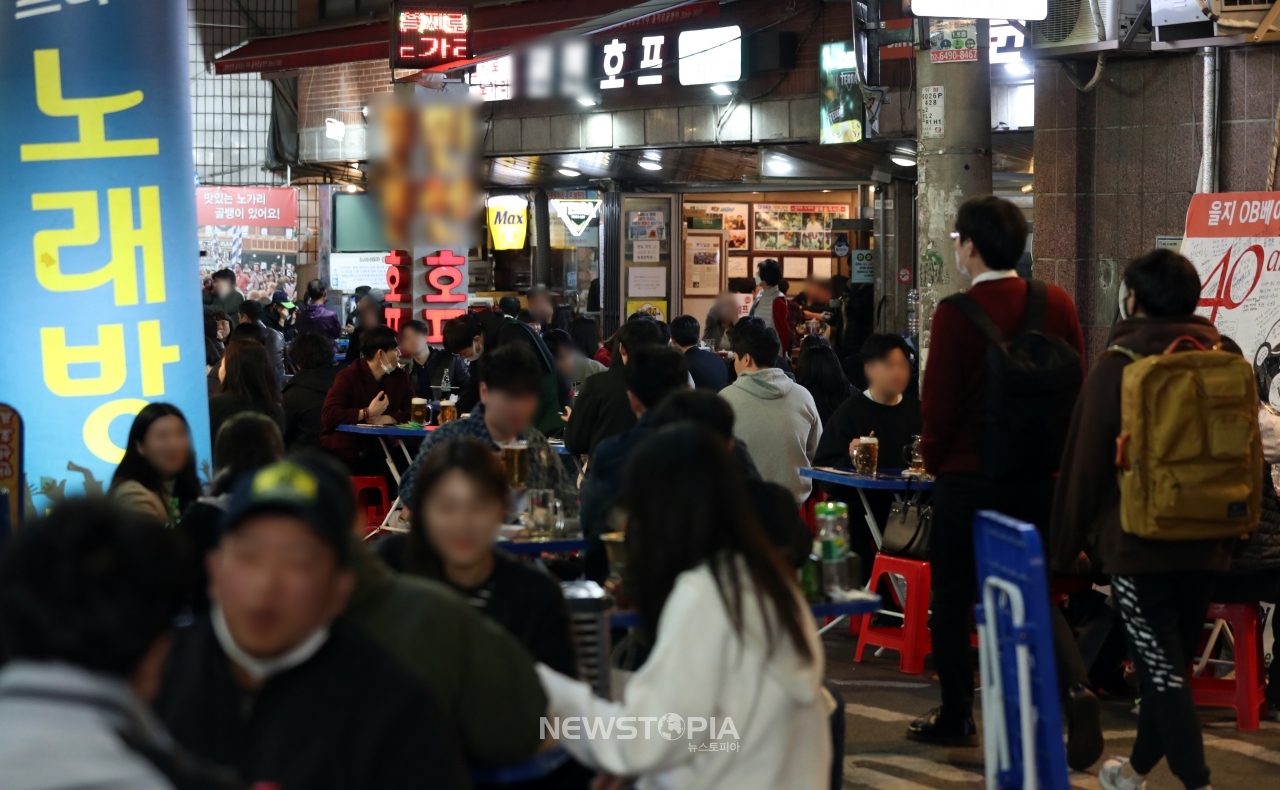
428 35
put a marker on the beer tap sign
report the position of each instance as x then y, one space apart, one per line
440 284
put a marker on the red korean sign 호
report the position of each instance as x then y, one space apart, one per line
262 207
1234 241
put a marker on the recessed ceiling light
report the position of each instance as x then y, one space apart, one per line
721 90
826 190
650 165
779 165
1017 68
587 101
351 187
565 171
904 161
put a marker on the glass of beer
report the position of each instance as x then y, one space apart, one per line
515 461
418 411
546 513
867 456
915 456
448 412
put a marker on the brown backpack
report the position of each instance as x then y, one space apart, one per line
1189 452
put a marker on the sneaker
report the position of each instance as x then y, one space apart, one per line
1084 728
1112 777
933 727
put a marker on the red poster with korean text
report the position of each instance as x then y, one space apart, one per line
1234 241
263 207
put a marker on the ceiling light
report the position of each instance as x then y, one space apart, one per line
1017 68
650 165
721 90
587 101
654 155
351 187
825 191
904 161
565 171
779 165
1028 188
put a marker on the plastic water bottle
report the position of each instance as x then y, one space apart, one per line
833 535
444 385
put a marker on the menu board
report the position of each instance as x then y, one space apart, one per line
795 227
733 217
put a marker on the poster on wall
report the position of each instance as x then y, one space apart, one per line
350 270
646 225
253 231
862 266
646 281
646 251
738 266
97 214
795 227
1234 241
654 307
702 258
733 218
953 40
840 99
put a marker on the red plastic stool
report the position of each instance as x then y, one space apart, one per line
912 641
1246 692
374 513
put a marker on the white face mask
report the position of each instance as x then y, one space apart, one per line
1123 294
964 273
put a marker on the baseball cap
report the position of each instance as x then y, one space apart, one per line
299 487
279 297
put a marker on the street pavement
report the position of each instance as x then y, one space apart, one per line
880 701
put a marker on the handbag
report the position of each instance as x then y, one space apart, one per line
909 529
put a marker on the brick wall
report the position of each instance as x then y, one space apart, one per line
340 91
1117 167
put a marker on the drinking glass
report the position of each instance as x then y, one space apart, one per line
914 456
448 412
546 513
515 462
418 411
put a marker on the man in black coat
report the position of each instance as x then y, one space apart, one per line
304 394
271 684
708 369
602 409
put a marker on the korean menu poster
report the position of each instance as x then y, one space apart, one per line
795 227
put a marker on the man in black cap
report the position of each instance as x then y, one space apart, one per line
270 683
279 316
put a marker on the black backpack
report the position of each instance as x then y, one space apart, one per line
1033 380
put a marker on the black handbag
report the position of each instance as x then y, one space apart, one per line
908 529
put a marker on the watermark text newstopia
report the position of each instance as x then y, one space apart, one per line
670 727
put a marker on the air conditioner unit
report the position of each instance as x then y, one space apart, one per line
1075 22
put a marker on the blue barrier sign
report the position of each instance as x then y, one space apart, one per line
97 214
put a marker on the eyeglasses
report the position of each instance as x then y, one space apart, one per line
955 235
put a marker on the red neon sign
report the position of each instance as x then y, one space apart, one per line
428 35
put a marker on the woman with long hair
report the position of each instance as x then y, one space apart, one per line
248 384
459 502
585 331
732 636
157 476
819 371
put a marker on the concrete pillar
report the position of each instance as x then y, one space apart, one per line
951 168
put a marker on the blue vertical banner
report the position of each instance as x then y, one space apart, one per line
97 217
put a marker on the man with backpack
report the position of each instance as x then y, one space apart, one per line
1161 472
1004 369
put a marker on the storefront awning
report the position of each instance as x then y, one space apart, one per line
496 28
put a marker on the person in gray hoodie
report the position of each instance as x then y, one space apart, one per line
777 418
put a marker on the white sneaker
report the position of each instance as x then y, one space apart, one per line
1112 777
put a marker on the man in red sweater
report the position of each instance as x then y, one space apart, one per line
990 235
373 390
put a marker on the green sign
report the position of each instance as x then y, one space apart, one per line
844 115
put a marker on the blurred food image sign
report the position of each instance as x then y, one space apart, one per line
508 221
97 213
840 94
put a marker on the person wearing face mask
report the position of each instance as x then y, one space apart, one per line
372 391
157 476
989 237
271 683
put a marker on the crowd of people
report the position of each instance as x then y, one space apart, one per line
243 633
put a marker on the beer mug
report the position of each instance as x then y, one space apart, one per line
448 412
418 411
546 513
867 456
515 461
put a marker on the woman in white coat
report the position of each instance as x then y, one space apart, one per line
731 695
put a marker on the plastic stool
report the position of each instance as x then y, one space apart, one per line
1246 692
373 513
912 641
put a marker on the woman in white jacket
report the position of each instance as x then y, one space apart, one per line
731 695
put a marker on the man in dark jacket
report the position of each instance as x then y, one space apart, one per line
651 373
225 298
553 392
708 370
271 684
1162 586
374 390
304 394
251 312
602 409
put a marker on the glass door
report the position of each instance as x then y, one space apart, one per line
650 267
